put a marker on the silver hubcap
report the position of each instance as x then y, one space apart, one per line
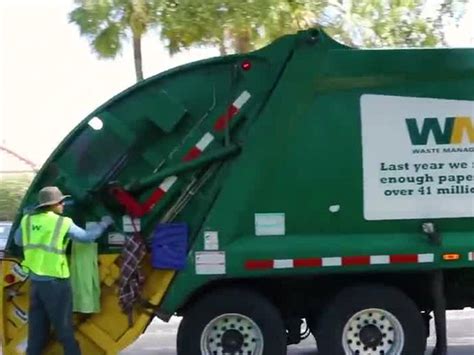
230 334
373 332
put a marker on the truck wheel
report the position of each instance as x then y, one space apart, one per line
371 320
232 321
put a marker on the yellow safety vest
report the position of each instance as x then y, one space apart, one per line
44 244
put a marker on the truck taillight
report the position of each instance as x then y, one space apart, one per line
246 65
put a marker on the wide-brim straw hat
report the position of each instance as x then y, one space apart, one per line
50 196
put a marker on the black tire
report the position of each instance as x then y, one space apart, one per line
330 326
237 301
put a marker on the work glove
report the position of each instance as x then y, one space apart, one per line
106 221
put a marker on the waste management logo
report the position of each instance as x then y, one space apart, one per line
418 157
456 130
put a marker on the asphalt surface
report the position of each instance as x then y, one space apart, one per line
160 338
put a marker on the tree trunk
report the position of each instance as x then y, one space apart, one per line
222 49
242 42
137 54
221 43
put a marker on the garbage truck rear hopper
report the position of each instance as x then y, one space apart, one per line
315 185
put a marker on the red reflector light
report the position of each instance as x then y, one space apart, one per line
9 278
246 65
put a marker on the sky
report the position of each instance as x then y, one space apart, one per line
50 79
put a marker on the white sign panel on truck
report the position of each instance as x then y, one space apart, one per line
418 157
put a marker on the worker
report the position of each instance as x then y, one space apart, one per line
44 235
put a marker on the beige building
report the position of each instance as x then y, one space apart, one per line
12 163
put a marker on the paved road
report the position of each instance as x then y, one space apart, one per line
160 338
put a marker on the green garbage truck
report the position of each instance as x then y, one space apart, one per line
306 187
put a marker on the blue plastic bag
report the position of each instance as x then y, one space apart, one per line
169 246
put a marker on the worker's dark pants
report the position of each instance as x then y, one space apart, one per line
51 304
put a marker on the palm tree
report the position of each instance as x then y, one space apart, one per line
107 24
235 25
243 25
